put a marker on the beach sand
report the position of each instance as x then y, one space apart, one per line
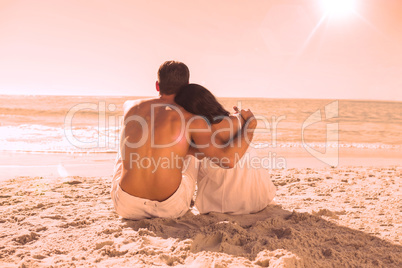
326 217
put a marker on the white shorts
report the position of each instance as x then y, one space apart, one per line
239 190
135 208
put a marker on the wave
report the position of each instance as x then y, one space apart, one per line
32 149
60 151
322 145
48 112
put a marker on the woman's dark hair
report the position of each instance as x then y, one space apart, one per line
198 100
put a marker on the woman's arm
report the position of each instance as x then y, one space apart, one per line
224 132
205 140
227 128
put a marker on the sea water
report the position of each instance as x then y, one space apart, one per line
84 124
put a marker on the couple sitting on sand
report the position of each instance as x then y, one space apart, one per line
183 138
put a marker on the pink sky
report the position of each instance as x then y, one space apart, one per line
234 48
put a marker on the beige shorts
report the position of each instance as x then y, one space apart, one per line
135 208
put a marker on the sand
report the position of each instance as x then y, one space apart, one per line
327 217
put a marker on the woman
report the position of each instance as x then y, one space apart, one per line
243 189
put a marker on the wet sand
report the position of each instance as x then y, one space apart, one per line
53 165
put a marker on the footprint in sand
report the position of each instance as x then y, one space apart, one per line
26 238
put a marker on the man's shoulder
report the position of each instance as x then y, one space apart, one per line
130 104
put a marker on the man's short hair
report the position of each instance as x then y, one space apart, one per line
172 75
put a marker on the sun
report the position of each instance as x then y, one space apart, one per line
338 8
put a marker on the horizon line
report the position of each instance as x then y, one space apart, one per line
145 96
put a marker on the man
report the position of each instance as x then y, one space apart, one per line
153 177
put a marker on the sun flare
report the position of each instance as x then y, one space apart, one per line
338 8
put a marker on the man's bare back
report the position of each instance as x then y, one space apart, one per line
153 146
155 140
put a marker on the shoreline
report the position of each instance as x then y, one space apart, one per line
14 164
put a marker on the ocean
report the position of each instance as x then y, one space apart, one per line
83 124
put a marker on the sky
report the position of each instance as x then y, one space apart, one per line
250 48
